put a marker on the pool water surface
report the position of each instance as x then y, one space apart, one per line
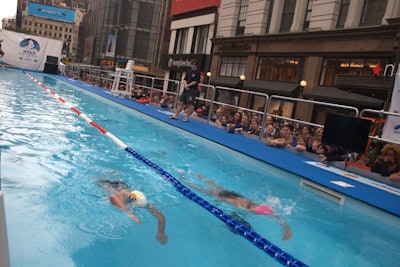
58 216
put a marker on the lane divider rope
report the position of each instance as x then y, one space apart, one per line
269 248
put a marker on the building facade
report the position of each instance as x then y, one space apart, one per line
122 30
53 22
335 46
193 25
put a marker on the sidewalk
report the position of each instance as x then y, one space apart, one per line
375 193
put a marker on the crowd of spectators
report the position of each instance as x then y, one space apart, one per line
379 157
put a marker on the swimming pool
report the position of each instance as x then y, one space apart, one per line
57 216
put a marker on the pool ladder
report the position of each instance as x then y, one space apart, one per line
323 191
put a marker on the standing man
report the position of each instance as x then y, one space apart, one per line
188 97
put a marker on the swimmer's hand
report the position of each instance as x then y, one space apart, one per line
134 217
288 234
162 237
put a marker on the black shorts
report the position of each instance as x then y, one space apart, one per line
188 97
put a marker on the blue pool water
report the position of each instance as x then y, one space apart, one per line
57 216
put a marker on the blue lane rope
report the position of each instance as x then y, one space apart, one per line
269 248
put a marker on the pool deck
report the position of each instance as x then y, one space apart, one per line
375 193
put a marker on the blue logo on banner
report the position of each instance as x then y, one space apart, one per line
30 46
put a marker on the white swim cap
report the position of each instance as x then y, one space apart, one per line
138 198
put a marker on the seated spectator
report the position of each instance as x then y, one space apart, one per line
217 115
283 138
301 144
236 119
334 154
155 97
222 122
269 132
243 126
305 132
322 151
315 140
395 177
164 103
387 162
365 160
254 128
137 92
145 99
269 120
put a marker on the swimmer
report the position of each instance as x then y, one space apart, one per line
238 200
121 196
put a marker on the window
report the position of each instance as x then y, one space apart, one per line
307 18
348 66
282 69
232 66
141 44
181 40
244 4
344 10
200 40
373 12
287 15
271 5
145 18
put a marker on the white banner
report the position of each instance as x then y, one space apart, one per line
391 130
28 51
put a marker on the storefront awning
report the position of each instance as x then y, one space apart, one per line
334 95
274 88
233 82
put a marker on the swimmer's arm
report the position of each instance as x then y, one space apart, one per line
161 236
210 192
118 202
288 233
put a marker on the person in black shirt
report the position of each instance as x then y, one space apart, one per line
188 97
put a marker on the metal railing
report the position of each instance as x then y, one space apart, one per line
212 96
382 116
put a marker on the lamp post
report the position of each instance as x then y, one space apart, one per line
303 84
209 77
242 78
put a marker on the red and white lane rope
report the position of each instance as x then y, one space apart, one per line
79 113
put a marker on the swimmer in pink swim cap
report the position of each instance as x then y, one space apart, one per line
238 200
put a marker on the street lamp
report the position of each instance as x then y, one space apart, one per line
242 78
303 84
209 77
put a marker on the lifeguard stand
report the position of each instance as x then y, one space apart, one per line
123 81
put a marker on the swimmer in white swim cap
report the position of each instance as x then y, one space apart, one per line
138 198
121 196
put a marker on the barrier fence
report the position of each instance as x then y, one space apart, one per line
238 99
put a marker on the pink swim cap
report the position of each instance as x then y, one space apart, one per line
263 209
